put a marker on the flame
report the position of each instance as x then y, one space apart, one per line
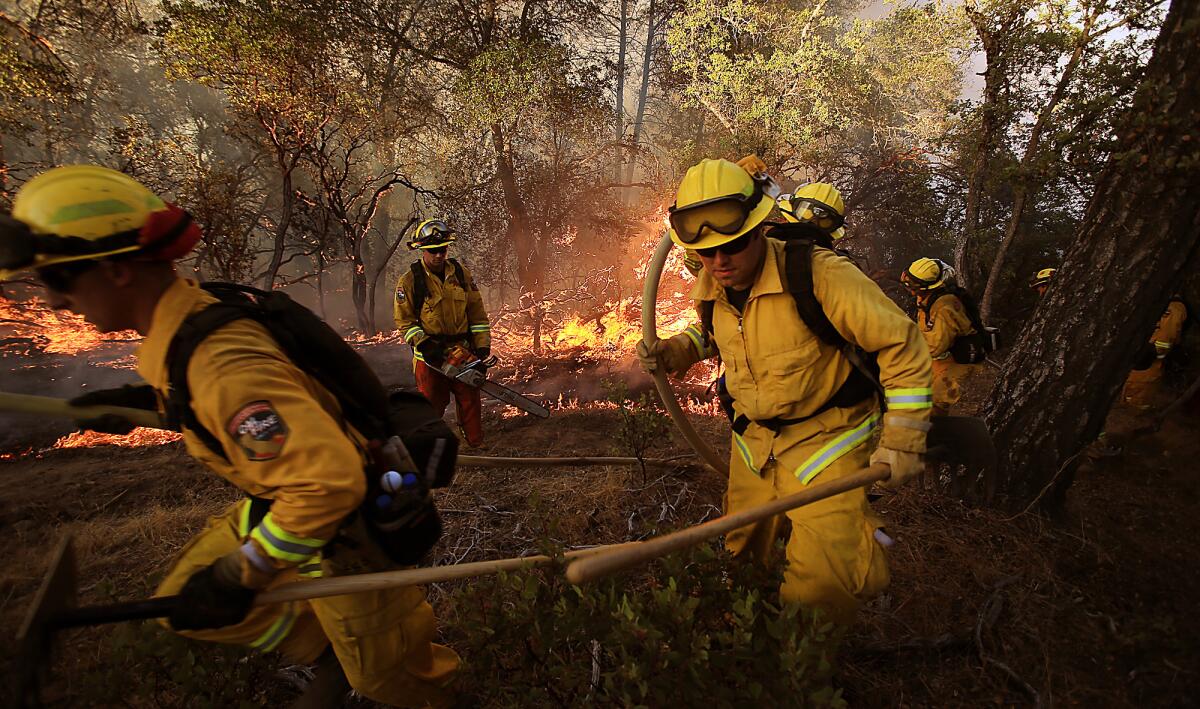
136 438
44 329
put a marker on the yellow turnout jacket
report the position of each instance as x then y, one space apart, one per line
452 310
283 432
776 367
944 322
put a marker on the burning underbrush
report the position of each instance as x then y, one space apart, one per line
29 327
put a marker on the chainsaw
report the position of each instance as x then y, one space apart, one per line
463 366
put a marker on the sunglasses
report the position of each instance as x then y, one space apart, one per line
61 277
438 250
724 215
730 248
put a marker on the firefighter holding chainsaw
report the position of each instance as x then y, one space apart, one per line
804 409
439 312
104 247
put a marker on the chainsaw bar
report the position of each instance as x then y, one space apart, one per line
473 377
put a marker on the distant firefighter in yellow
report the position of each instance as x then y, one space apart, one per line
1144 387
949 326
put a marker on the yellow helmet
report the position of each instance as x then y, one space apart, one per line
1043 277
819 204
87 212
717 202
432 234
926 274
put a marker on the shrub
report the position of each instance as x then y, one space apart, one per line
701 630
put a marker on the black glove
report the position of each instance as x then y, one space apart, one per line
133 396
483 352
433 352
208 600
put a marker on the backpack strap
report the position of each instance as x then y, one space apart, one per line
195 328
458 273
420 288
798 270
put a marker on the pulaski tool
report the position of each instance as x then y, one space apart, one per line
463 366
54 606
955 439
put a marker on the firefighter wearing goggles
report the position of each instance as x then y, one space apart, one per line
819 204
944 319
782 376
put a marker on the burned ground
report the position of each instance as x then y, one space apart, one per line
984 607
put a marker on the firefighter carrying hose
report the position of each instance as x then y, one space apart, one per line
803 409
104 246
439 312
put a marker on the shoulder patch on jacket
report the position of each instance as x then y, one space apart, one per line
400 295
259 430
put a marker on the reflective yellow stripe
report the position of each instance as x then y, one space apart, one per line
244 519
481 328
283 545
412 332
837 448
1162 346
279 630
310 570
693 333
918 398
744 451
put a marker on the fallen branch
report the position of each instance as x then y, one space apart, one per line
988 615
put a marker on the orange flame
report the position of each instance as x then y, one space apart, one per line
51 331
136 438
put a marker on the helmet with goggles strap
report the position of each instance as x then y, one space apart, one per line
1043 277
717 202
926 274
432 234
817 203
86 213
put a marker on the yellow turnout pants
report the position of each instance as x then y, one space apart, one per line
1144 388
833 559
383 639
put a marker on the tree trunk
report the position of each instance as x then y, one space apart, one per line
1025 177
281 227
531 265
1138 241
643 92
619 103
994 77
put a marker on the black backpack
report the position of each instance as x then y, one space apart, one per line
799 241
968 349
410 526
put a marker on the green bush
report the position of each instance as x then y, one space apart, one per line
701 630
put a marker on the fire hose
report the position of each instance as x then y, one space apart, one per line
60 408
665 391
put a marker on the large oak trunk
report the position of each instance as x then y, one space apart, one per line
1138 241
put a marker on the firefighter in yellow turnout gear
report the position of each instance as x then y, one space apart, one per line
943 319
281 431
783 379
440 311
1144 387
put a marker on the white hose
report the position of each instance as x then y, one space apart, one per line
650 335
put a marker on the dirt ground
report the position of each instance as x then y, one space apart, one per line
985 607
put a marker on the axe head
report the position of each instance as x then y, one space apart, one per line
35 638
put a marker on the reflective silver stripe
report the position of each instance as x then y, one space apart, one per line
279 630
744 451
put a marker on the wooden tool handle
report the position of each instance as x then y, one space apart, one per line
340 585
601 565
59 408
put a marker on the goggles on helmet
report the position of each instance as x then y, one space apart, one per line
724 215
817 213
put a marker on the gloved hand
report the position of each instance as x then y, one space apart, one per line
752 164
213 597
651 355
433 352
133 396
483 352
905 466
